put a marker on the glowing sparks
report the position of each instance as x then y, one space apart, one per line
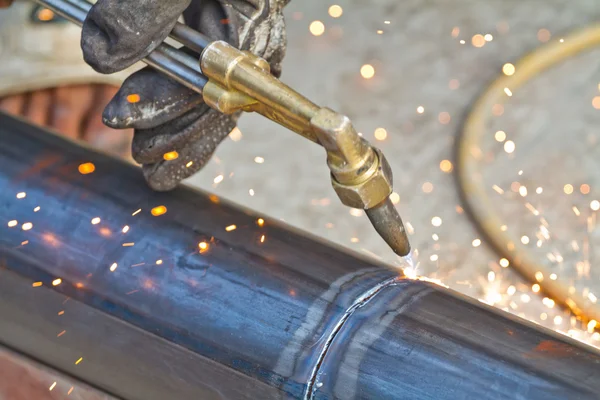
79 360
21 195
478 40
56 282
523 191
511 290
158 211
125 229
133 98
568 189
218 179
251 192
596 102
70 391
260 222
356 212
380 134
504 263
508 92
592 297
491 276
553 277
539 276
236 135
52 386
128 244
525 239
420 109
395 198
95 220
446 166
595 205
86 168
508 69
436 221
13 223
262 239
354 240
203 246
367 71
171 155
535 288
476 243
539 190
231 228
488 37
259 160
159 262
37 209
37 284
136 212
558 320
434 257
584 189
500 136
27 226
317 28
427 187
335 11
509 146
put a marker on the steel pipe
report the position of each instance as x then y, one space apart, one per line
183 295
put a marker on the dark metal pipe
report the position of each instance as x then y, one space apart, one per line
259 311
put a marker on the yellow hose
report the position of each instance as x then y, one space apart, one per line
475 197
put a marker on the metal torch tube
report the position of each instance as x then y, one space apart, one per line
183 295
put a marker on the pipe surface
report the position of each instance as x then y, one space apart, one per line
259 311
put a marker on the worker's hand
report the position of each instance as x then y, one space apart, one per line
175 132
5 3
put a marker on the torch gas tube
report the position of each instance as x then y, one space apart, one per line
231 80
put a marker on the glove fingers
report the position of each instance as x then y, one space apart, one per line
148 99
151 145
166 175
118 33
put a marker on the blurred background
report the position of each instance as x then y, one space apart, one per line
407 73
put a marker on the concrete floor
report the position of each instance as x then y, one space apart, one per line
420 61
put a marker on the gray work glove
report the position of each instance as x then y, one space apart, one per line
166 116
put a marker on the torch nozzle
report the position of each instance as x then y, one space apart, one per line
387 222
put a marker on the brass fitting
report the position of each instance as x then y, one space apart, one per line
360 174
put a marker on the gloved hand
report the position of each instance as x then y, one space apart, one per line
167 116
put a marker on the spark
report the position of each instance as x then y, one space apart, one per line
427 187
262 239
136 212
37 209
125 229
260 222
189 164
576 211
444 118
395 198
592 297
420 109
539 190
21 195
476 243
504 263
511 290
535 288
36 284
171 155
335 11
13 223
27 226
500 136
356 212
70 391
259 160
133 98
509 146
498 189
525 239
159 262
113 267
508 92
436 221
128 244
95 220
488 37
61 333
558 320
203 246
158 210
56 282
434 257
78 361
508 69
367 71
231 228
523 190
86 168
491 276
218 179
595 205
236 134
553 277
478 40
317 28
52 386
380 134
446 166
568 189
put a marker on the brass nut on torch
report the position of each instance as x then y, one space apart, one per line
370 192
